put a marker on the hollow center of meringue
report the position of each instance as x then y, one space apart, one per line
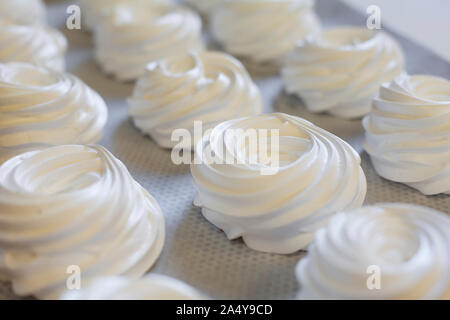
278 144
180 65
345 37
26 75
431 88
395 241
56 170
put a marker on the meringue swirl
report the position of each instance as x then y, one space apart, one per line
150 287
318 175
73 205
93 12
408 244
263 31
408 133
210 87
132 38
340 71
40 107
36 44
23 11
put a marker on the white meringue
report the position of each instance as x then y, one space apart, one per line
94 11
23 11
150 287
40 107
32 43
340 72
263 31
407 246
408 133
210 87
319 174
205 6
132 38
68 206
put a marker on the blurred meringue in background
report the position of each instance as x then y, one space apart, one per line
134 36
341 70
23 11
41 108
36 44
96 11
210 87
205 6
263 31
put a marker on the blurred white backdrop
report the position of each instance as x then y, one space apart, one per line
425 21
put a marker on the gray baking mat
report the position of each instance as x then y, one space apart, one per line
195 251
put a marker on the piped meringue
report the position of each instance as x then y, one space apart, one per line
209 86
318 175
93 12
408 133
341 70
205 6
23 11
36 44
71 206
40 107
386 251
132 38
150 287
263 31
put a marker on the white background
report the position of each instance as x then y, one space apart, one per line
425 21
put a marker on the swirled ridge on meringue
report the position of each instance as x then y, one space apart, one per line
36 44
263 31
209 86
132 38
150 287
23 11
69 206
40 108
408 132
319 174
341 70
408 245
